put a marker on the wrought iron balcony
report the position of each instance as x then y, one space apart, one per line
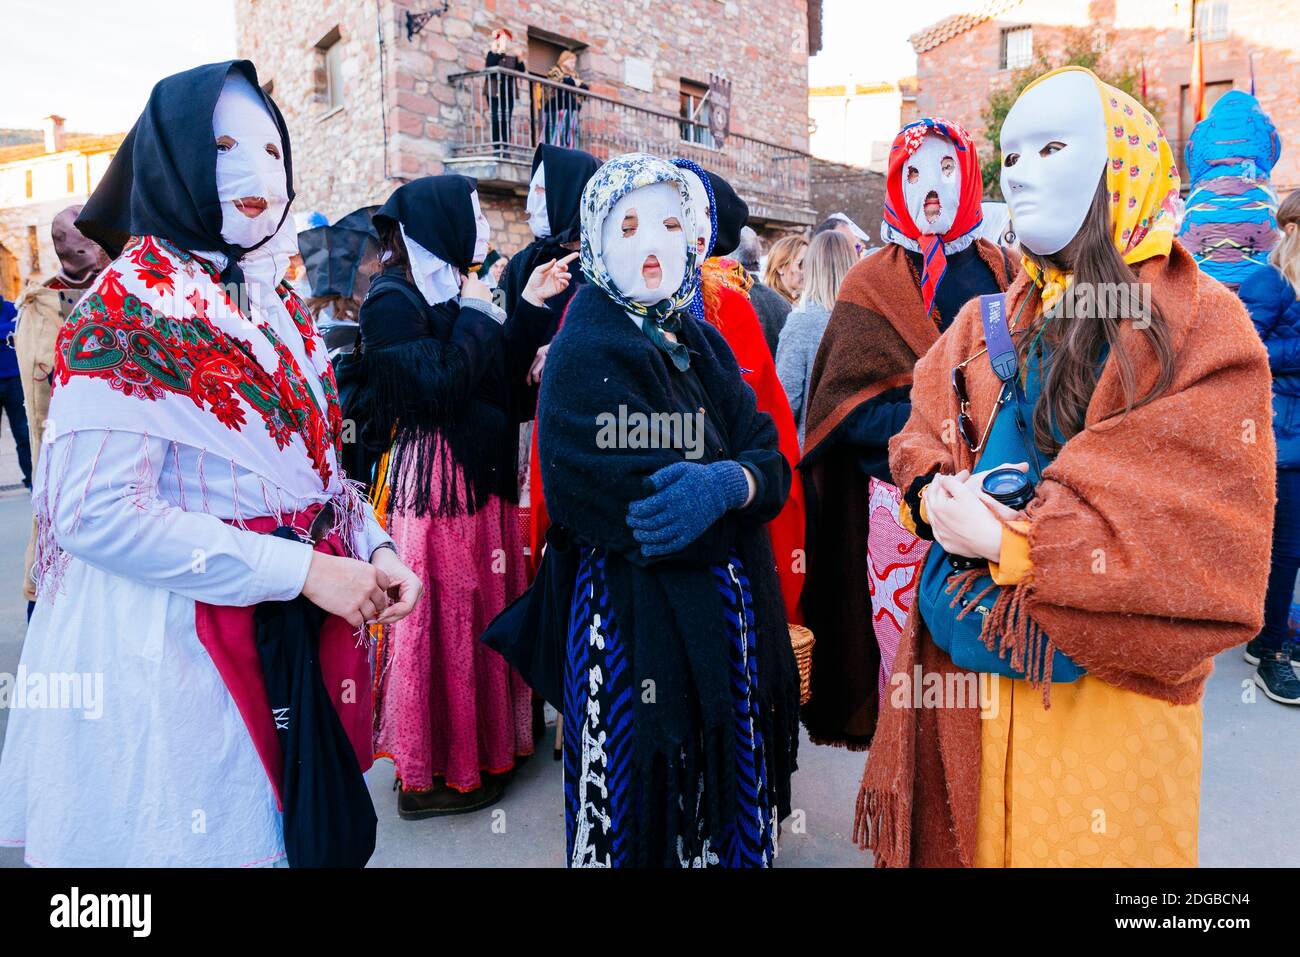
505 115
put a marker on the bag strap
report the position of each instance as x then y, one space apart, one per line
997 337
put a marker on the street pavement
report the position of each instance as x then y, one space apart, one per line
1250 777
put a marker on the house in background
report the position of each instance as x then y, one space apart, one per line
962 57
37 180
380 93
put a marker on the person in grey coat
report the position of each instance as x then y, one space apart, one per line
830 256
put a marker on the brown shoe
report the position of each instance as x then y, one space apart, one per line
441 800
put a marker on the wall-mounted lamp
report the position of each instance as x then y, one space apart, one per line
415 21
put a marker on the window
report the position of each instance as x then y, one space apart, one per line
28 184
1187 119
1017 48
72 179
33 249
695 106
329 70
1209 20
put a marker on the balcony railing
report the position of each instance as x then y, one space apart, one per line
505 115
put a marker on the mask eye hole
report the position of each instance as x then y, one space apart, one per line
629 224
1010 160
273 151
673 224
225 144
912 174
947 165
1053 147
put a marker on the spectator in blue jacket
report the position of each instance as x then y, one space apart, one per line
1271 296
11 389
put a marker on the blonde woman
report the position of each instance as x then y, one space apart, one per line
830 256
785 267
1270 296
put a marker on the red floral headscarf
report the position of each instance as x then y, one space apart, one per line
969 212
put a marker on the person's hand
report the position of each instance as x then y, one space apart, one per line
549 279
539 362
404 586
975 483
961 522
472 287
685 499
351 589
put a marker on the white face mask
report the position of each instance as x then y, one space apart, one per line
700 202
482 230
539 221
250 164
643 243
1053 154
932 185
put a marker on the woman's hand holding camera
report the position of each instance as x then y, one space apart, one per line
965 520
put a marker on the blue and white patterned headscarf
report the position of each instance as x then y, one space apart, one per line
618 177
697 303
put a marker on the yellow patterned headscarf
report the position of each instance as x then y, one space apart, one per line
1142 178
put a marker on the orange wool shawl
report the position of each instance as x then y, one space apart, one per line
1149 543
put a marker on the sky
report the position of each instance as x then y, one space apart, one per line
94 61
866 40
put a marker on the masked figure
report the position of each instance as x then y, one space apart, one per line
892 308
41 310
1231 223
193 411
1057 647
435 404
659 526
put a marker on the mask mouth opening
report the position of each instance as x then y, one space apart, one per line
251 206
652 272
932 208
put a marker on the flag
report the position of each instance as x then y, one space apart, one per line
1196 88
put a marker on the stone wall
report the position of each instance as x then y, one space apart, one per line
401 115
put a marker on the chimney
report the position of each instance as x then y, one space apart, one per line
53 133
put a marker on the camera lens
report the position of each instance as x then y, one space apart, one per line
1009 486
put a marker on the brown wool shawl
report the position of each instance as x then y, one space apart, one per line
1176 497
877 331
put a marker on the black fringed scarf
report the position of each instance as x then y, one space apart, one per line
673 617
429 372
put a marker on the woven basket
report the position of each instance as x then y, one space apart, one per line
802 641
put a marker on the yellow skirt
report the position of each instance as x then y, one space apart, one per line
1103 778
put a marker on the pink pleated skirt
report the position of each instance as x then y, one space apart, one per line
446 705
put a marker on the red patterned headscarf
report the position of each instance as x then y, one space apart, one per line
934 262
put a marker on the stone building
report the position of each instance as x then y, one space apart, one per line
961 57
379 93
37 180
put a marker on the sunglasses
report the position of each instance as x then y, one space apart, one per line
965 424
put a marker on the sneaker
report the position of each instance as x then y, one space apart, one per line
1252 652
1276 676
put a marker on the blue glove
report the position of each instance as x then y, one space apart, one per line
686 498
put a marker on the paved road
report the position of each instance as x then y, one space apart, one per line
1251 769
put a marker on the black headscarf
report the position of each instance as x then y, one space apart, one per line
331 254
567 173
163 180
436 211
732 213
